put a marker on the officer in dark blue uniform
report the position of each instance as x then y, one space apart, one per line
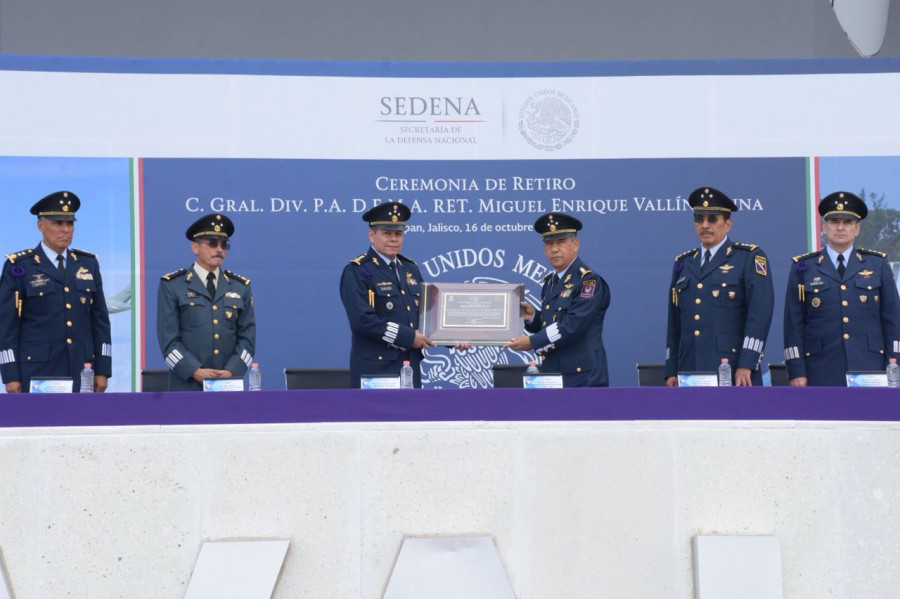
381 292
53 315
842 311
568 329
721 298
205 320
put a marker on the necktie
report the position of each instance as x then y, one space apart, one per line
211 284
59 265
841 267
706 258
393 267
553 281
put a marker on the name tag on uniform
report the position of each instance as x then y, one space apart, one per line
234 384
51 384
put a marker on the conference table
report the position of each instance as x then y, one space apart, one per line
429 405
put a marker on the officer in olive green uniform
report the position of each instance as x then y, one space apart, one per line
205 320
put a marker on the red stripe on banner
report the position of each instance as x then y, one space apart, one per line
142 323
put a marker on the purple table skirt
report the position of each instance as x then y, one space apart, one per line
629 403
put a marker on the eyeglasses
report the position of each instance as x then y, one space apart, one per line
710 218
214 243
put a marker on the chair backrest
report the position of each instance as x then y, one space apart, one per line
651 374
508 375
316 378
154 379
778 375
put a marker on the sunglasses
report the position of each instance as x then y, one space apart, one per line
214 243
710 218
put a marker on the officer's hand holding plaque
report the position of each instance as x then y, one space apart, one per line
473 313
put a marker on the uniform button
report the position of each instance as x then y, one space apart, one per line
41 294
408 309
68 323
807 354
68 306
846 335
412 325
192 303
28 358
696 333
215 351
846 319
69 341
843 288
215 307
696 317
547 307
402 292
578 369
699 285
215 321
379 357
66 289
869 287
697 301
216 336
844 303
544 323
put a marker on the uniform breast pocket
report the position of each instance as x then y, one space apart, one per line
84 294
868 292
40 299
193 311
386 300
728 294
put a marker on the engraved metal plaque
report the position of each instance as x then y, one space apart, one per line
474 313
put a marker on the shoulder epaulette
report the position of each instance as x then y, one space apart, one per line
83 253
750 247
873 252
358 260
584 271
237 277
173 274
804 256
684 255
405 259
19 255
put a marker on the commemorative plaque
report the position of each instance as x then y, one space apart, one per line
474 313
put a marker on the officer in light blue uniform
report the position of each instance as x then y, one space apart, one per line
381 291
205 319
720 298
568 328
53 315
841 311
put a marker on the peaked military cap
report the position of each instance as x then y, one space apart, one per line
556 225
709 200
211 225
390 217
59 205
843 204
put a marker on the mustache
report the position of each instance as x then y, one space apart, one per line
218 255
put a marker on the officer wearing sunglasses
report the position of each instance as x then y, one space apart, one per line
720 298
205 319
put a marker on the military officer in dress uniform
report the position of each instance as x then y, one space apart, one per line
842 311
53 315
720 300
381 291
205 319
568 330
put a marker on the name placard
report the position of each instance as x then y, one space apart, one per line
542 381
379 382
52 384
867 379
698 379
215 385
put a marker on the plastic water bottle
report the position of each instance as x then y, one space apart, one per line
893 373
532 368
724 373
87 379
406 376
255 379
